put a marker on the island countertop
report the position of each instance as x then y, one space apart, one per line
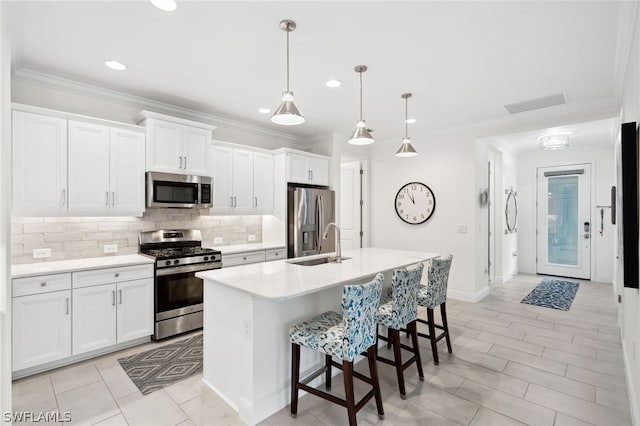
282 279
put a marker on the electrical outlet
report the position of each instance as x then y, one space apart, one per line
247 328
41 253
217 240
461 229
110 248
251 237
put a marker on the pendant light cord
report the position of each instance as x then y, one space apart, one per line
406 117
360 95
288 30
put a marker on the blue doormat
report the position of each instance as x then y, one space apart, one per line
552 293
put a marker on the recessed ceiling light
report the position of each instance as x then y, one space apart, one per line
115 65
410 120
167 5
333 83
264 111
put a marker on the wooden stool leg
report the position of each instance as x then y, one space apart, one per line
373 373
295 378
413 329
443 312
389 338
397 356
432 336
347 371
327 372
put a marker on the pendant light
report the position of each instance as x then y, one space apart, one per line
287 113
406 149
361 135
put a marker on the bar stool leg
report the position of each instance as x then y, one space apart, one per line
443 312
373 373
295 378
413 330
397 356
432 336
347 371
327 372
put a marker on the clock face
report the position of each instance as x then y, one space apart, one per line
415 203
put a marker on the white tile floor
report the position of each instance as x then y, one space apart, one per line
512 364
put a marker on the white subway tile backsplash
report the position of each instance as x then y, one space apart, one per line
79 237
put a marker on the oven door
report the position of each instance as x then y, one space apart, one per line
177 294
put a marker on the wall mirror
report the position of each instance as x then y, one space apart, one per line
511 211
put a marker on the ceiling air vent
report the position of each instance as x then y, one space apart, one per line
537 103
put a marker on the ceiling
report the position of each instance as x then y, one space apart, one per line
461 60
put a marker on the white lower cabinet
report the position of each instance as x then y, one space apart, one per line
94 318
41 328
135 309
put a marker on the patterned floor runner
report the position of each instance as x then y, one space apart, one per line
552 293
157 368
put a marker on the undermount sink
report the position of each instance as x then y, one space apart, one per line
317 261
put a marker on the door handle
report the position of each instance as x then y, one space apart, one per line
106 193
113 298
586 235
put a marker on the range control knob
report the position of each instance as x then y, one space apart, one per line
168 262
206 258
175 262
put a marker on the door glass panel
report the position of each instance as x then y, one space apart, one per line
562 218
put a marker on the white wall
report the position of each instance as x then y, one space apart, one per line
602 178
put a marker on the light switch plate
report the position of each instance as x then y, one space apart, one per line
462 229
110 248
41 253
251 237
217 240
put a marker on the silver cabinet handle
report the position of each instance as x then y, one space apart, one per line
113 298
180 166
255 201
113 198
311 174
235 201
67 304
43 284
106 193
231 201
120 296
185 162
64 197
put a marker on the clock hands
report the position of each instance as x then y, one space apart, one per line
412 199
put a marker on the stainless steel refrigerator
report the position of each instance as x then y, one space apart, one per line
309 210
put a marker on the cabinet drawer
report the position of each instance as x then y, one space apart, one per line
242 258
110 275
41 284
275 254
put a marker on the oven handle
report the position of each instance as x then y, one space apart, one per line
188 268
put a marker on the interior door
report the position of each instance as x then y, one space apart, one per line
564 221
350 208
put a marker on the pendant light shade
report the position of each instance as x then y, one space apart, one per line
406 149
361 135
287 114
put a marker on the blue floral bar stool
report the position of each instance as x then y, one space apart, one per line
342 336
432 295
397 312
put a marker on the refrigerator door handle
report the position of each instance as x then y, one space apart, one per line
320 221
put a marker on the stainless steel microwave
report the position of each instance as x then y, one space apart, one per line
178 191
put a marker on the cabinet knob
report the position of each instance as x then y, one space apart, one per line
244 258
43 284
117 275
277 254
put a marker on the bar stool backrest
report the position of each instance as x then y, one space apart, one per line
360 316
437 280
404 293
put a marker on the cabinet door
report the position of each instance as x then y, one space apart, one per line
242 180
94 318
263 182
298 169
222 178
41 328
195 150
39 163
135 309
127 171
88 168
164 146
319 170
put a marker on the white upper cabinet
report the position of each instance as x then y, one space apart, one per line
106 169
242 180
175 145
310 169
39 164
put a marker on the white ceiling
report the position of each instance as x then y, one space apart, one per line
462 60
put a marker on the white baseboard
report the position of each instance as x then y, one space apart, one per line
630 386
468 297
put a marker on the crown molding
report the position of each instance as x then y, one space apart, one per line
47 80
627 21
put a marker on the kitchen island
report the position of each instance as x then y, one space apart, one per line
249 309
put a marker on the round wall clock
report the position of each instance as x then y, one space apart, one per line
415 203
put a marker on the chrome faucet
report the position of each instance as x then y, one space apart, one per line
338 258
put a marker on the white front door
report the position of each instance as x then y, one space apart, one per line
350 196
564 221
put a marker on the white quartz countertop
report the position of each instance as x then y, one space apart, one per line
282 279
73 265
245 248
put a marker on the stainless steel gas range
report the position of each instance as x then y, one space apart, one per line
178 293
